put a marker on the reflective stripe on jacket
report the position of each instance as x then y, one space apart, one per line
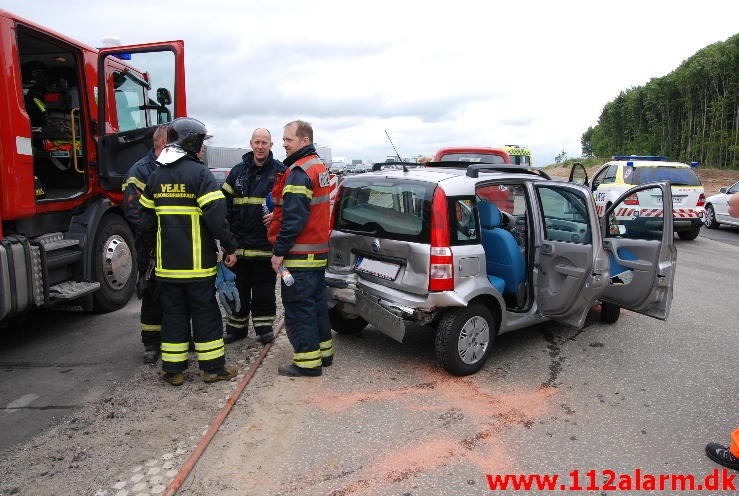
183 204
245 195
300 226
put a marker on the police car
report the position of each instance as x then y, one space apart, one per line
627 171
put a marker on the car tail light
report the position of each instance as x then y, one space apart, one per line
632 200
441 264
701 200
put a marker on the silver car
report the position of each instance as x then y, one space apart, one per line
478 252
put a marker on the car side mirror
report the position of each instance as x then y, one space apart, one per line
723 190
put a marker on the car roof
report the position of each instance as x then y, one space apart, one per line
450 178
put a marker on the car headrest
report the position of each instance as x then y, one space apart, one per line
489 214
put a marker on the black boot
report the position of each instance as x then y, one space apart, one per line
722 455
151 353
293 370
230 338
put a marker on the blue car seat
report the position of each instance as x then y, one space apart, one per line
506 267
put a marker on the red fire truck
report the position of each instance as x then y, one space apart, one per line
73 119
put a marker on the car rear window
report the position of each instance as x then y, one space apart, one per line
386 208
682 176
475 158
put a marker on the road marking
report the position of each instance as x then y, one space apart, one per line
21 402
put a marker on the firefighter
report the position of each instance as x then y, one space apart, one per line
147 288
246 189
299 232
184 207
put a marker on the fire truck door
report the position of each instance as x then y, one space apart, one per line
139 88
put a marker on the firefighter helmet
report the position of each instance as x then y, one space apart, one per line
188 134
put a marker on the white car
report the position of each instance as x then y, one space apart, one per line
627 171
717 208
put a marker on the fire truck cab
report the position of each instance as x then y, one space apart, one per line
73 121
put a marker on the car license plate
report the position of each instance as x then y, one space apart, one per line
383 270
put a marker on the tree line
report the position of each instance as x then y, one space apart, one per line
689 115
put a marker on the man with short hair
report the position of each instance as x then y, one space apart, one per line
299 232
246 189
147 288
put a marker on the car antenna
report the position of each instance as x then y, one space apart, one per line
405 169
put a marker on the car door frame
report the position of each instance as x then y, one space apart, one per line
569 277
655 261
723 215
118 151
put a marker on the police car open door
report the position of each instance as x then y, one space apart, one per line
639 240
570 265
139 88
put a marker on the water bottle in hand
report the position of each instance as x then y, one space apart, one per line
286 276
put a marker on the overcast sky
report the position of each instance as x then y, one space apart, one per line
433 74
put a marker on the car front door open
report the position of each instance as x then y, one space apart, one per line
638 238
570 265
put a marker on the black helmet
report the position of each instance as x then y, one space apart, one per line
188 134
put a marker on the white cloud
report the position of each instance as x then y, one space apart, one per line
482 73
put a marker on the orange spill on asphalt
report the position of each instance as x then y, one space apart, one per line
489 413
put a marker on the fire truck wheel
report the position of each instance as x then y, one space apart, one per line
113 264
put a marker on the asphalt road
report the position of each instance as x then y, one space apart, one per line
724 234
56 361
640 394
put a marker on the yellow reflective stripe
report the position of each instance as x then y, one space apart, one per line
237 325
146 202
211 354
151 327
268 318
249 200
238 319
227 188
141 185
197 261
159 262
209 197
305 263
177 210
309 365
175 346
40 104
309 247
166 357
184 273
253 253
308 355
208 345
298 190
326 344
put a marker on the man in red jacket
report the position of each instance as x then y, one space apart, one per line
299 233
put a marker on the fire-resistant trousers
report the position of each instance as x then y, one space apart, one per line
306 318
151 315
255 281
180 303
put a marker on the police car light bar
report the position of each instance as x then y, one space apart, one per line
639 157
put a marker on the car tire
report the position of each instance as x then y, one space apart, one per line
343 324
464 339
609 312
689 235
710 219
113 264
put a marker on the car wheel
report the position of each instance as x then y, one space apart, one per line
689 235
464 339
344 324
112 264
609 313
710 218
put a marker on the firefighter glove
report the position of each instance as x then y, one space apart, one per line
228 295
